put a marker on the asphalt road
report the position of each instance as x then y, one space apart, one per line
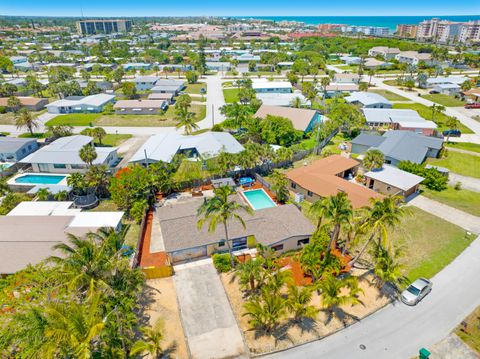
399 331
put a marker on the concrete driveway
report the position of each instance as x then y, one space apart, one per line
208 320
470 183
399 331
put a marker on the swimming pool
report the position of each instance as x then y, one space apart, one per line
40 179
258 199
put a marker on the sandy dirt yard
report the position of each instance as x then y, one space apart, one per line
164 305
290 333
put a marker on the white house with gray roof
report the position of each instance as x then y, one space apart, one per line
81 104
392 181
398 119
163 147
368 100
62 156
14 149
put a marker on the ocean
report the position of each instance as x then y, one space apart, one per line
381 21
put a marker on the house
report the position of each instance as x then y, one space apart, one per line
446 89
339 89
339 78
144 83
140 107
175 67
137 66
161 97
31 230
265 86
282 99
413 57
218 66
387 53
328 176
302 119
62 156
30 103
371 63
392 181
351 60
474 94
399 146
446 80
163 147
168 86
368 100
14 149
282 228
102 85
399 119
81 104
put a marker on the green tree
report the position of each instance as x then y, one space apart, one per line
99 133
436 109
309 90
278 130
88 154
452 124
25 119
14 103
191 76
6 65
298 303
152 344
265 310
338 212
387 269
280 186
129 90
220 209
373 159
318 210
250 273
43 194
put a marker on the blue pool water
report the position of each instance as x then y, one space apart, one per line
258 199
38 179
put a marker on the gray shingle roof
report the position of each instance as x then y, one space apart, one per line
366 139
11 144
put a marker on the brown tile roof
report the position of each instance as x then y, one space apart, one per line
270 225
300 117
321 178
25 101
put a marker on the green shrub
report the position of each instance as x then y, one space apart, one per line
222 262
251 242
217 128
434 180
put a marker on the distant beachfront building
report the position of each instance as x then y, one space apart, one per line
437 30
90 27
367 30
408 31
470 32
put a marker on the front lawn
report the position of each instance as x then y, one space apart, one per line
231 95
461 163
8 118
445 100
165 120
467 146
35 135
464 200
114 140
391 96
429 242
426 112
470 332
195 88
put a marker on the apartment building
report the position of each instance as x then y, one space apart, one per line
91 27
408 31
444 31
470 32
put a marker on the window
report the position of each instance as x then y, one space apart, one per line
309 193
221 244
278 247
301 242
389 188
293 185
76 167
59 165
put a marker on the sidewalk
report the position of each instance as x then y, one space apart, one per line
469 183
462 219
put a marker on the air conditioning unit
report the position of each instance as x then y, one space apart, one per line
299 197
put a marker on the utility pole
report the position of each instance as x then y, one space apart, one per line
146 159
317 145
213 116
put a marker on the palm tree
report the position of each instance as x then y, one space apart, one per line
152 343
186 119
25 119
318 210
339 212
436 109
279 185
265 310
98 177
60 196
298 303
337 292
249 273
371 73
296 102
78 182
383 214
99 133
220 210
387 269
88 154
452 124
43 194
373 159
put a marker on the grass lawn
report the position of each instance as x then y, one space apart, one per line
464 200
430 243
389 95
461 163
471 334
230 95
195 88
391 82
445 100
106 205
467 146
35 135
165 120
115 140
348 67
426 113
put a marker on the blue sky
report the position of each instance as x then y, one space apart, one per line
240 7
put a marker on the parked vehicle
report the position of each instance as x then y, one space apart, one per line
473 105
416 291
452 133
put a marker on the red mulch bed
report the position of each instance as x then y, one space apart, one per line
147 259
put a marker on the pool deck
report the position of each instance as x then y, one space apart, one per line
12 181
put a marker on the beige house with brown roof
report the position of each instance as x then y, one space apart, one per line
30 103
302 119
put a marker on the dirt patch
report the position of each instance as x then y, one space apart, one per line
164 306
290 333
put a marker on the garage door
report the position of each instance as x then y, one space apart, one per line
189 253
